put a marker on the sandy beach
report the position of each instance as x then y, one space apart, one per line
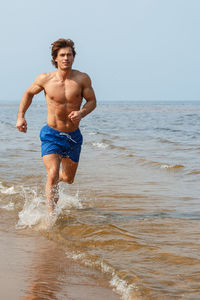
34 268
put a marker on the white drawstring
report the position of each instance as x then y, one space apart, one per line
69 137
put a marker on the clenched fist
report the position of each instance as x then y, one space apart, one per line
21 125
75 116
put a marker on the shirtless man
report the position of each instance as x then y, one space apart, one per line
61 138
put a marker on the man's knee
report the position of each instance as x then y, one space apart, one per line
53 176
67 179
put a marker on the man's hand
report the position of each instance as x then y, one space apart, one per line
21 125
75 116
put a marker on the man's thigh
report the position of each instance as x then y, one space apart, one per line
52 163
69 168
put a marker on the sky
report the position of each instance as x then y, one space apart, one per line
132 49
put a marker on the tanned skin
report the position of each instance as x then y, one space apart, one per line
64 91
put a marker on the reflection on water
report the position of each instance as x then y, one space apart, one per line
48 269
52 276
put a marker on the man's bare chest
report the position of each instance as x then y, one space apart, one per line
62 91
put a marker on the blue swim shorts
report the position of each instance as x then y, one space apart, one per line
62 143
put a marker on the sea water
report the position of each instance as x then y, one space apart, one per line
133 211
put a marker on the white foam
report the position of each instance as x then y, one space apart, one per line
165 166
105 268
120 286
171 166
9 206
100 145
123 288
6 190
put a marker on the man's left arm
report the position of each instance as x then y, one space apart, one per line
89 96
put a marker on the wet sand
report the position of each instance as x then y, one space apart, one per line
33 267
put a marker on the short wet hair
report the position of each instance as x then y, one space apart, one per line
57 45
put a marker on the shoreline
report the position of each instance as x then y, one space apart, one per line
36 268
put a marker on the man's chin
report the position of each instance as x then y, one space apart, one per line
66 67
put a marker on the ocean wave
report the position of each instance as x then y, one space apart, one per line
7 190
7 124
168 129
161 165
167 166
118 147
130 155
9 197
9 206
98 133
100 145
105 145
127 290
167 141
194 172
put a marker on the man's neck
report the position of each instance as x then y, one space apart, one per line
64 74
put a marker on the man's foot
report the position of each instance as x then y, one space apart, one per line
51 220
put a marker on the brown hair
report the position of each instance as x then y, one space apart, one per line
57 45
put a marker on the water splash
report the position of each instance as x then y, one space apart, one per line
34 211
67 201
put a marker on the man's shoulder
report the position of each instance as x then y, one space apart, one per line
43 78
82 76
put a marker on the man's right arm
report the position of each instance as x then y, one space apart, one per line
36 87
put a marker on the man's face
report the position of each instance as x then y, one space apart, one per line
65 58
